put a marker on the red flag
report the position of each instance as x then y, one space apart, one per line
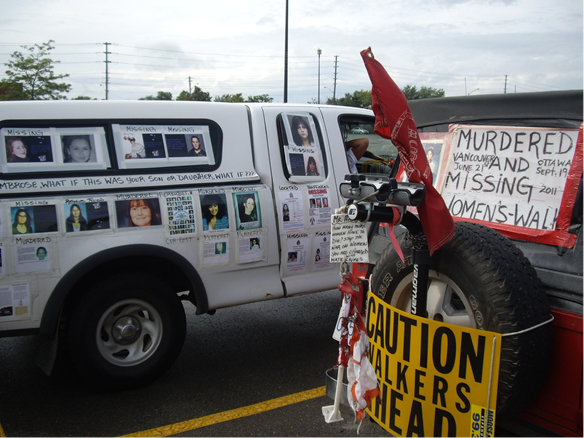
393 120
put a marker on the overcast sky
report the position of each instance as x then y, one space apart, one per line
461 46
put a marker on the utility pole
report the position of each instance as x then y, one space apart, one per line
318 52
505 92
335 82
286 58
190 92
107 61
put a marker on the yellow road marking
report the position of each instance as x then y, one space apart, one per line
233 414
2 434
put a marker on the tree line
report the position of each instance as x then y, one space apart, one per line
30 76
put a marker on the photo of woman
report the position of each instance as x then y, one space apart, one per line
285 213
214 211
138 213
77 149
220 248
301 133
41 253
253 243
143 213
16 150
248 211
75 222
21 224
312 167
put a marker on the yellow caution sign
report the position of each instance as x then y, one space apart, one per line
436 379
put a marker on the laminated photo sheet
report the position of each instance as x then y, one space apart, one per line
319 212
250 245
322 248
180 213
216 249
14 300
32 258
291 210
297 254
41 149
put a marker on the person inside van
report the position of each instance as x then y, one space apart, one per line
143 213
301 133
75 222
16 150
77 150
21 224
356 149
214 213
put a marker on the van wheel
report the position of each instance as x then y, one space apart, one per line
481 280
126 330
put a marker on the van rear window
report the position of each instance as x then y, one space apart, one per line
42 147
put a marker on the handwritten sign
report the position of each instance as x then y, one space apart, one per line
508 175
348 240
128 181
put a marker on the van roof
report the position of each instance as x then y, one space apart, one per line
562 109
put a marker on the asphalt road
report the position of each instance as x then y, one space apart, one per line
253 370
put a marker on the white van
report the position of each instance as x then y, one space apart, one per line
114 212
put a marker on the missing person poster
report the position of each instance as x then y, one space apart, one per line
28 145
435 379
216 249
138 211
297 253
250 244
14 300
322 248
32 258
34 219
85 215
292 210
247 206
318 200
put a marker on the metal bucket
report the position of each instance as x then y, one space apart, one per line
331 386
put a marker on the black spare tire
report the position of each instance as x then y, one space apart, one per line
480 279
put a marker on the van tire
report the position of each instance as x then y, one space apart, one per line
125 330
480 279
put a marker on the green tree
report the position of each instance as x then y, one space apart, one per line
34 71
162 95
11 91
83 98
411 92
260 98
197 94
229 98
359 98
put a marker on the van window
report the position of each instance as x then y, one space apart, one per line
42 149
379 150
302 147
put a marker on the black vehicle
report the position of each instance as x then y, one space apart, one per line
557 406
